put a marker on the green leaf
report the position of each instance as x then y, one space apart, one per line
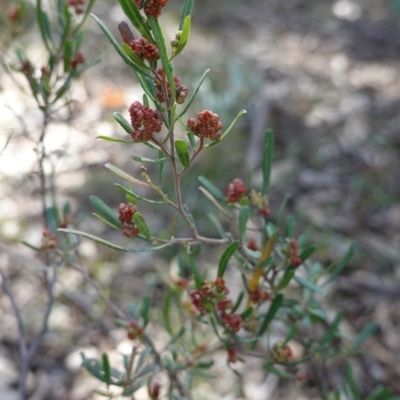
245 314
112 245
211 188
289 231
182 152
184 36
282 374
123 122
141 224
141 67
136 196
51 219
67 56
106 369
341 265
115 44
193 96
44 26
165 312
380 393
267 160
214 220
238 302
367 331
105 211
333 328
124 175
114 140
198 279
132 12
144 311
194 249
307 253
309 285
273 309
158 36
244 214
186 11
225 134
104 221
226 256
149 160
287 277
290 335
352 382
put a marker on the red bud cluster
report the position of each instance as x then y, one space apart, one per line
13 13
78 59
293 253
144 50
145 122
48 240
252 244
258 296
77 5
181 91
208 125
281 353
236 190
232 353
232 321
134 330
264 211
126 213
153 7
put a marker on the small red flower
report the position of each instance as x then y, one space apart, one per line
126 213
144 50
264 211
236 190
232 353
78 59
155 7
293 253
208 125
252 244
134 330
154 391
181 91
258 296
145 122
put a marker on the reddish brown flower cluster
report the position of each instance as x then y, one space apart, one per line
13 13
281 353
126 213
252 244
27 68
293 253
78 59
134 330
236 190
48 240
77 5
154 391
145 122
258 296
213 294
181 91
264 211
154 7
208 125
139 4
144 50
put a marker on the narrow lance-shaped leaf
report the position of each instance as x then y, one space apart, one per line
282 374
333 328
67 56
287 277
193 96
226 256
182 152
225 134
186 11
149 160
367 331
307 253
114 140
211 188
44 25
267 160
309 285
106 369
273 309
341 265
184 36
198 279
105 211
124 175
136 196
112 245
244 214
141 224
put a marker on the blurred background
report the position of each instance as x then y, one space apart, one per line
324 75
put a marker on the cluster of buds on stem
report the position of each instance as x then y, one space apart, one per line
154 391
258 295
152 7
14 13
293 253
77 5
236 190
232 355
208 125
145 122
49 241
281 353
161 84
77 60
144 50
261 202
126 213
134 330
